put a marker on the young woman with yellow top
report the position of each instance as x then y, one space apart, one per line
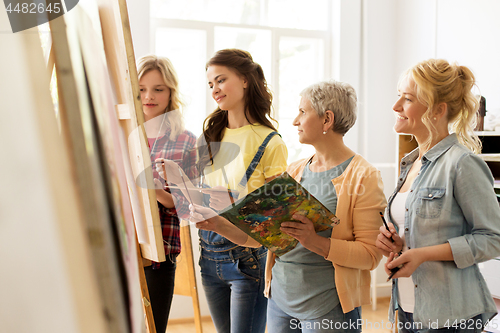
233 275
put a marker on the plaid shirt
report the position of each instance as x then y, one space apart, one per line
183 153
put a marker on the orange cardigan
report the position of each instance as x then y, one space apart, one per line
352 248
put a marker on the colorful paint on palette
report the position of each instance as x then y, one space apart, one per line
261 212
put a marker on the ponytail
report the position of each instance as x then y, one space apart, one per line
465 120
438 81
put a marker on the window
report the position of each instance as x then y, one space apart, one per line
187 49
290 14
289 39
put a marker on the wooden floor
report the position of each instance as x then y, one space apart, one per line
374 321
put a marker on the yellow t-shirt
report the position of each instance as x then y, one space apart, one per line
238 147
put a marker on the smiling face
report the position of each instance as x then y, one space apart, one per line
309 124
409 110
155 95
228 88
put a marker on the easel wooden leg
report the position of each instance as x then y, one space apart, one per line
150 323
185 278
194 289
197 313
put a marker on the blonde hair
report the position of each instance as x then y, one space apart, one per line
339 97
437 81
174 120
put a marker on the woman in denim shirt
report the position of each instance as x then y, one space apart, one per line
444 216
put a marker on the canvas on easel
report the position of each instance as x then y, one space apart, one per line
122 65
115 154
48 279
81 133
123 71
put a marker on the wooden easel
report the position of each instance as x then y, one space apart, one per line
118 45
69 83
185 281
75 110
62 282
146 301
121 63
185 278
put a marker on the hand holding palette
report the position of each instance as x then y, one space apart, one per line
260 213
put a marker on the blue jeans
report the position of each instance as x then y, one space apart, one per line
334 321
234 286
161 290
407 325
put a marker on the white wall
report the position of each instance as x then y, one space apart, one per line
469 32
139 24
465 31
376 138
415 39
347 34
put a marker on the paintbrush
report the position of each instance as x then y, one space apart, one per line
183 181
396 269
228 189
385 224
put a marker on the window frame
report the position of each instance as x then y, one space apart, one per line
276 35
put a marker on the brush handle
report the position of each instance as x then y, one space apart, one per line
184 182
393 272
385 224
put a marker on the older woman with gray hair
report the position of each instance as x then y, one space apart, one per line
320 285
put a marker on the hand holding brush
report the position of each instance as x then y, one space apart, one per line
396 269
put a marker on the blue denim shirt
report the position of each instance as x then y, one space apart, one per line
451 200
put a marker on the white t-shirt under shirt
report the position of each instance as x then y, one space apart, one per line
405 284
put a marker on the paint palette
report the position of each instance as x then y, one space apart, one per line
260 213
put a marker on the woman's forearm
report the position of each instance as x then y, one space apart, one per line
358 254
165 198
440 252
318 244
230 231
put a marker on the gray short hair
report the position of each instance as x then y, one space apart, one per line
339 97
